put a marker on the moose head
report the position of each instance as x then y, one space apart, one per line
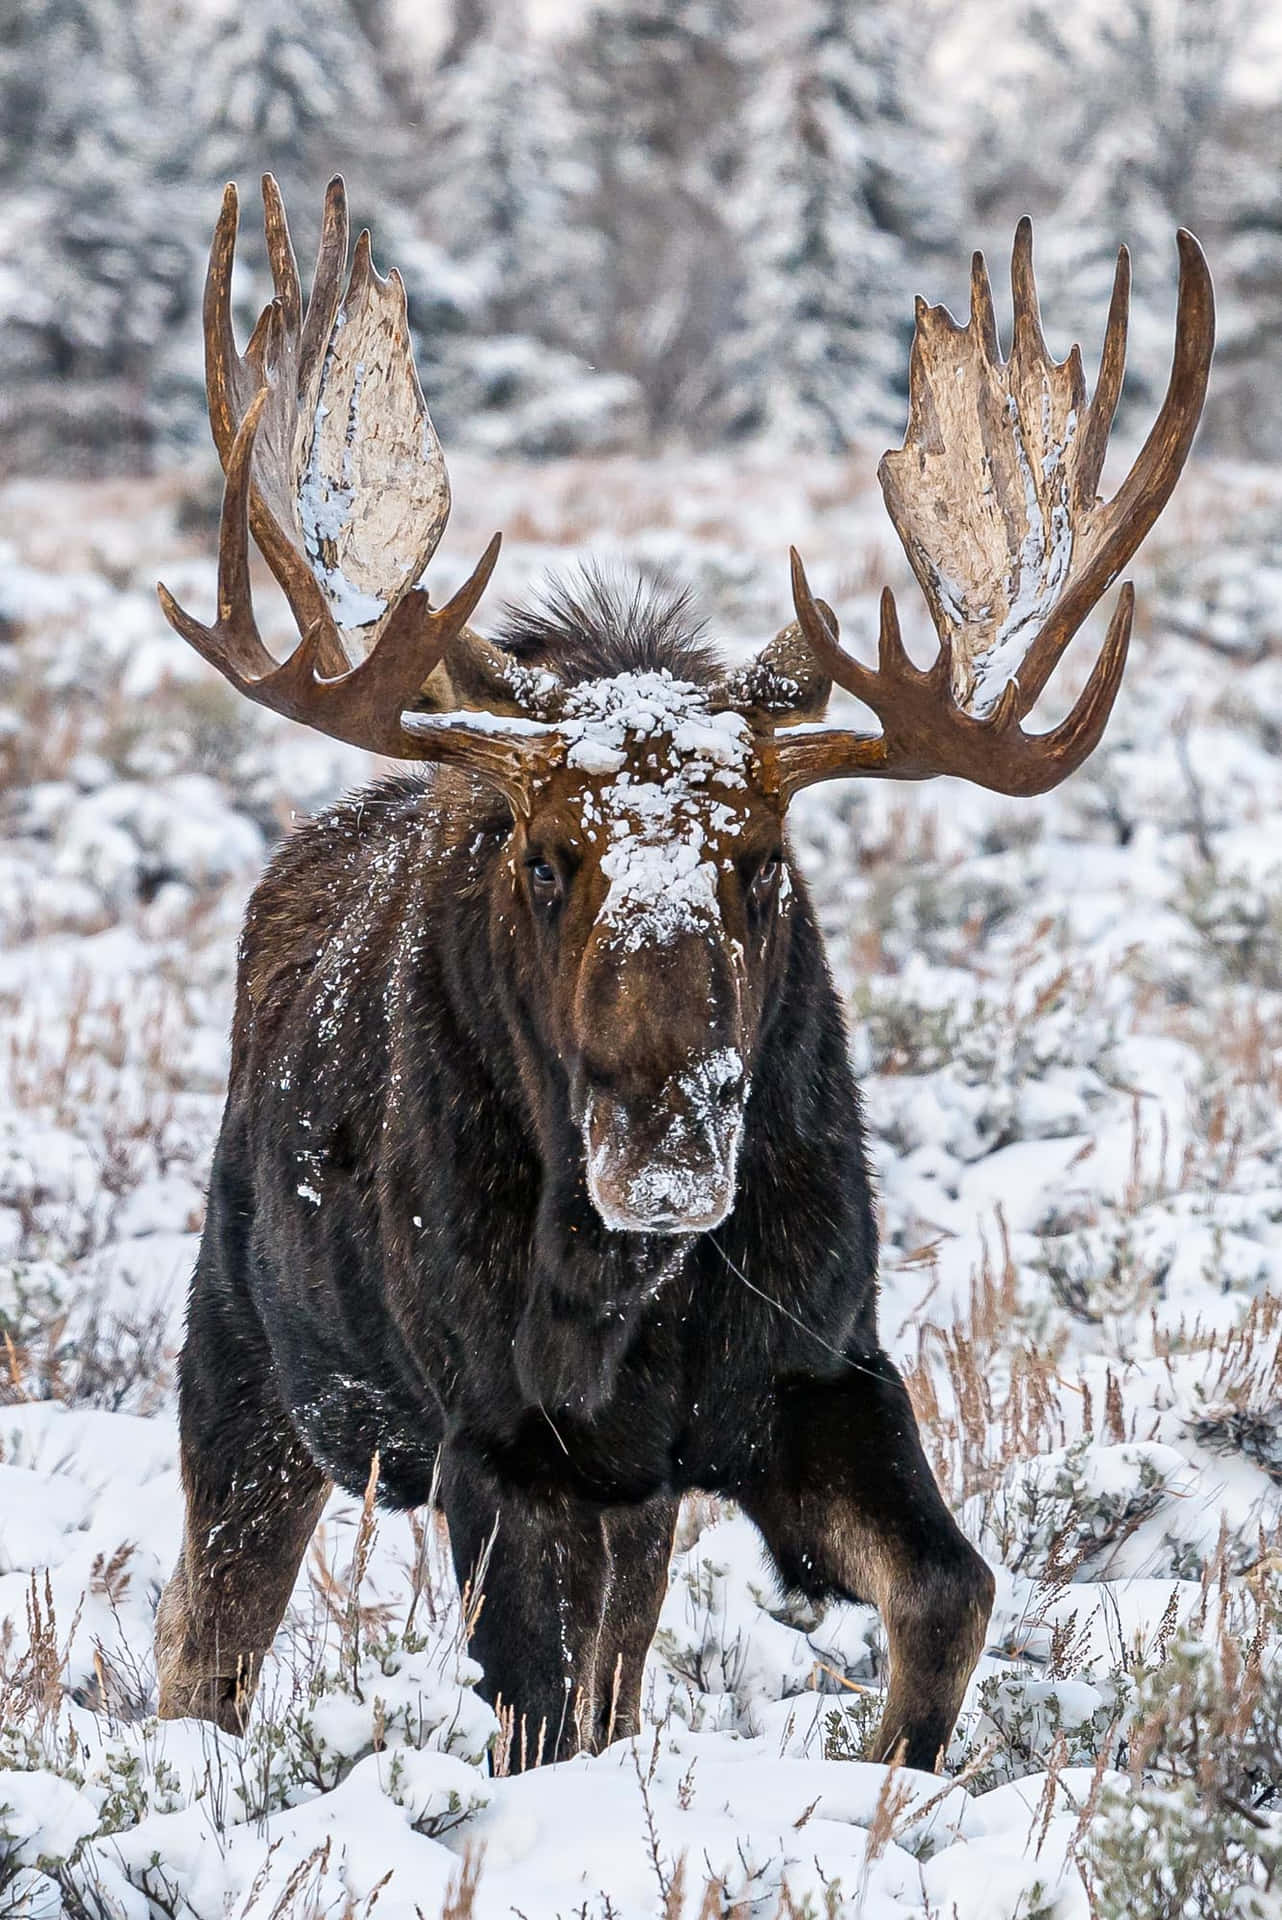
645 884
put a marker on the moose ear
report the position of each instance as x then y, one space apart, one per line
784 684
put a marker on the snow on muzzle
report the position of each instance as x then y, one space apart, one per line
665 1163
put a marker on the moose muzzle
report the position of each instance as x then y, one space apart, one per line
666 1163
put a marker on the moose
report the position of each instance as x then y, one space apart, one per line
541 1190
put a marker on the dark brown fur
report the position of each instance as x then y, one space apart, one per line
403 1257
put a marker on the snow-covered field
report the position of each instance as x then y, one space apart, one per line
1067 1015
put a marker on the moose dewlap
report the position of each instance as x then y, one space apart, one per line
541 1186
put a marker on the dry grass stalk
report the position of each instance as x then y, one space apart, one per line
366 1530
460 1896
1002 1403
893 1800
33 1682
674 1896
501 1749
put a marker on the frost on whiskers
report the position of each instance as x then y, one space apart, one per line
673 781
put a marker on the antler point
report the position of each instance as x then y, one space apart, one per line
1005 713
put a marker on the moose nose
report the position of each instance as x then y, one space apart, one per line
666 1163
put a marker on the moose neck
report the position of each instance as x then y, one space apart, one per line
587 1287
584 1287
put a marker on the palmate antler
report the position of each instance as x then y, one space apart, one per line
330 457
332 461
993 495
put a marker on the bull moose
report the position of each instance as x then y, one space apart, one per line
541 1183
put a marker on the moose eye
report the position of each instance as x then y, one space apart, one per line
766 877
545 881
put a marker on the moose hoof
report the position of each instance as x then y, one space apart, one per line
223 1699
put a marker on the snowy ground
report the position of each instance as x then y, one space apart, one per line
1067 1015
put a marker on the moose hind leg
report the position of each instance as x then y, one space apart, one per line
253 1497
850 1507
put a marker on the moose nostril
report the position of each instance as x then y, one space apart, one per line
730 1093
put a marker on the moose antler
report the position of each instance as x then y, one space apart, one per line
332 461
993 495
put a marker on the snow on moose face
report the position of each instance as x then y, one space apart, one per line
652 867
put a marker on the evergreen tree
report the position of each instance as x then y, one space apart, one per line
96 264
657 94
503 355
499 176
1245 181
842 217
291 90
1142 103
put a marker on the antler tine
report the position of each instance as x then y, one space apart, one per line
228 385
1128 516
233 644
894 668
892 660
232 380
1108 387
819 625
982 317
1029 343
280 256
1065 747
327 281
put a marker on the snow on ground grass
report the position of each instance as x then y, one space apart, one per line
1067 1016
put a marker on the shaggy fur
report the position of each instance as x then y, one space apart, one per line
401 1260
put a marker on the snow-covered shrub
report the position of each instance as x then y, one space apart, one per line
398 1691
1073 1509
1238 917
1198 1828
104 1808
1027 1723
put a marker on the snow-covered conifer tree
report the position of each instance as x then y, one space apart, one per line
1141 117
656 85
96 264
497 208
291 87
842 213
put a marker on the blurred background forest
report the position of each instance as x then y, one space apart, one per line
650 223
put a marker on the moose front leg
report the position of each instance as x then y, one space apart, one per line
538 1570
849 1506
640 1544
